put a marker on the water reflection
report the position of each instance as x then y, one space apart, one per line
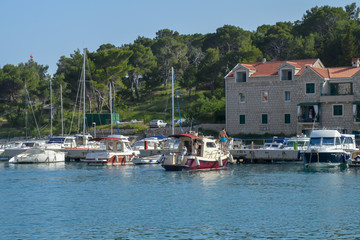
42 166
249 201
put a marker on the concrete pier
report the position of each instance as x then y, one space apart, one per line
265 155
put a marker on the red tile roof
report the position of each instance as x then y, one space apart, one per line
271 68
339 72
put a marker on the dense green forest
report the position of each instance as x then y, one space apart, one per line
139 73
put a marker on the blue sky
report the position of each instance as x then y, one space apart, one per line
49 29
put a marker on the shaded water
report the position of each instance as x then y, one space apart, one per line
274 201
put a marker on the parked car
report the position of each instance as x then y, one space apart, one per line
157 123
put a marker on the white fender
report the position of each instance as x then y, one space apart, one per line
117 158
231 159
126 158
197 162
220 162
182 155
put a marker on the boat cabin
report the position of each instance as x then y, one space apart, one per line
115 144
273 145
333 138
348 141
196 146
81 139
62 142
33 144
325 138
296 143
156 142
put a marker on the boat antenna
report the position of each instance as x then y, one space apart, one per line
84 125
26 113
62 112
110 103
177 100
51 112
172 100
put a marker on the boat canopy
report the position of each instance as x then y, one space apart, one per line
108 138
325 133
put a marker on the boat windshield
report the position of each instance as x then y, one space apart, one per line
303 143
328 141
315 141
210 145
56 140
127 146
28 144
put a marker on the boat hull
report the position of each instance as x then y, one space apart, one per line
147 160
116 160
325 159
191 164
31 156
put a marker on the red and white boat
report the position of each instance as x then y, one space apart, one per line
118 152
196 153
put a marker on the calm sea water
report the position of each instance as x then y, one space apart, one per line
274 201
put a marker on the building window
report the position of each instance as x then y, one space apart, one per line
241 97
287 118
240 77
286 74
310 88
264 118
287 96
265 96
337 110
242 119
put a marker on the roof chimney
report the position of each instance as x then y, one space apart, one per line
355 62
264 60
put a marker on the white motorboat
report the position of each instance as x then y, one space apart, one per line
118 152
329 148
196 153
39 155
21 147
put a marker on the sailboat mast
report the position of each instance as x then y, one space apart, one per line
172 100
62 112
110 103
84 126
26 113
51 113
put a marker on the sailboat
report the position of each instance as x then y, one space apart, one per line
83 144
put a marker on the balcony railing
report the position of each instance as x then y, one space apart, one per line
303 119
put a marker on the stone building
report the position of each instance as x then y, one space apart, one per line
292 97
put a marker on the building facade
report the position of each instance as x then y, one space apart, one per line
292 97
